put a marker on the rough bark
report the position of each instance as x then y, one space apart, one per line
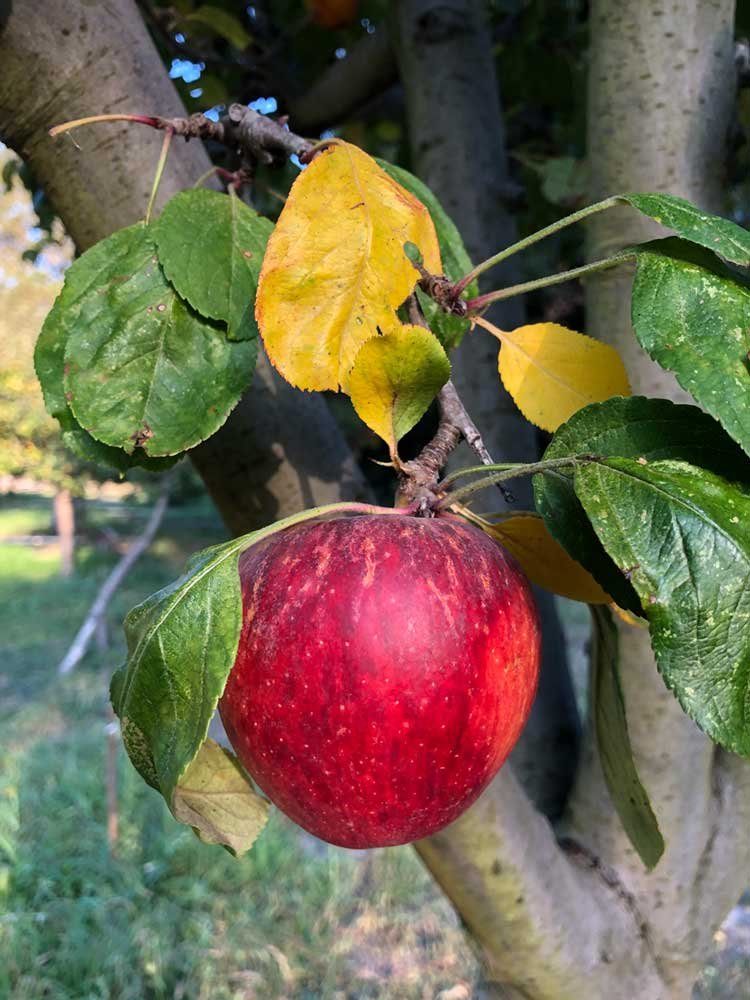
660 100
458 148
98 58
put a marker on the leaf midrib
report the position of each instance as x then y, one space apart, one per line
697 511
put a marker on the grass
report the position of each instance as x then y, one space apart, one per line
168 917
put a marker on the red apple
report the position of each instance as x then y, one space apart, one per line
386 667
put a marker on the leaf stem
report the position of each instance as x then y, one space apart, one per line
528 241
159 171
508 471
482 301
206 174
149 120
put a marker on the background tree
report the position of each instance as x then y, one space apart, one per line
554 919
30 444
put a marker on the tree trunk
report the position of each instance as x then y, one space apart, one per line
661 93
445 60
660 97
98 58
65 526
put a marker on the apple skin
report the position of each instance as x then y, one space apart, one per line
386 667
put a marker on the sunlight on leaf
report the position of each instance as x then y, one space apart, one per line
683 536
692 314
395 378
211 248
551 372
335 270
721 236
142 370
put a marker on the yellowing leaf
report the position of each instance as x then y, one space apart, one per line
216 798
551 372
335 269
395 378
544 561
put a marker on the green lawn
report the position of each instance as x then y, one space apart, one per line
166 917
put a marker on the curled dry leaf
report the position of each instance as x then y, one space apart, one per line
215 797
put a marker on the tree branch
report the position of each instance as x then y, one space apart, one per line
368 69
548 924
419 477
109 588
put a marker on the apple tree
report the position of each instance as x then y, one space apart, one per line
364 285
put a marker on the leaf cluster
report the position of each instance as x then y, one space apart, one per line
151 341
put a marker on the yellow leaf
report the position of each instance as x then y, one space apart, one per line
395 378
627 617
335 270
544 561
551 372
215 797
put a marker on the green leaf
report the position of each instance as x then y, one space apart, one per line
692 314
141 368
633 427
395 378
449 330
629 797
215 797
683 536
49 356
88 449
711 231
211 248
222 23
182 643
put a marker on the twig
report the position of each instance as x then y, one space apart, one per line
262 141
86 632
419 476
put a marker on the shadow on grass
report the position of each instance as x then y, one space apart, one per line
170 917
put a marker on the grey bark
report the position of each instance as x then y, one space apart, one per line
75 58
661 94
458 148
